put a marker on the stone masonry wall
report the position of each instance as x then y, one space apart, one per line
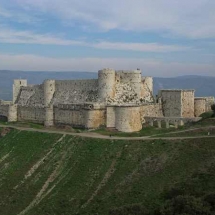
4 110
110 117
153 110
128 118
199 106
131 88
69 117
94 118
172 103
147 89
187 97
75 91
79 118
18 83
209 101
32 114
106 84
32 96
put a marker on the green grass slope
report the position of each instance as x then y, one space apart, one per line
64 175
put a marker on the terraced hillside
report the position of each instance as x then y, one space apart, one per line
57 174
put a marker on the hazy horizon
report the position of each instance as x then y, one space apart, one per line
164 38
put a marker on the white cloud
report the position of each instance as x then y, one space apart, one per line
149 67
16 16
146 47
27 37
190 18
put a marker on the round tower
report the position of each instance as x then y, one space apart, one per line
49 116
128 118
134 77
49 90
199 106
106 82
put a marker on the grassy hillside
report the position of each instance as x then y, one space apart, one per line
64 175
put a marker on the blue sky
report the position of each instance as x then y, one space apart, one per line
162 37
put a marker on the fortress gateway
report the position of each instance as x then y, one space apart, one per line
117 99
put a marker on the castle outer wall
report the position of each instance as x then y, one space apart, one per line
117 99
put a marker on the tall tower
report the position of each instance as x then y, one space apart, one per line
49 90
147 89
106 82
135 81
18 83
12 113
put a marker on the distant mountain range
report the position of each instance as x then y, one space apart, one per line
204 85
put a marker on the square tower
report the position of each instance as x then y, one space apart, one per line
18 83
177 103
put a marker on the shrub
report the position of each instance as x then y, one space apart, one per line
213 109
186 205
135 209
207 115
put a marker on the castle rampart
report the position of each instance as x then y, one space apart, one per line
117 99
31 114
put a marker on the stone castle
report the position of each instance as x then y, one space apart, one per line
122 100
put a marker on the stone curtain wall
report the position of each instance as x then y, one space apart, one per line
153 110
147 89
76 116
171 102
199 106
4 108
124 94
69 117
32 96
94 118
32 114
111 116
209 101
187 97
75 91
202 104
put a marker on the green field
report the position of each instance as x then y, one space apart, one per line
53 174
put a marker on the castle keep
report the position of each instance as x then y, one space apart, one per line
117 99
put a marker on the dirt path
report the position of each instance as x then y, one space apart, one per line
99 136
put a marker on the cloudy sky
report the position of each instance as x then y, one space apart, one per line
162 37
